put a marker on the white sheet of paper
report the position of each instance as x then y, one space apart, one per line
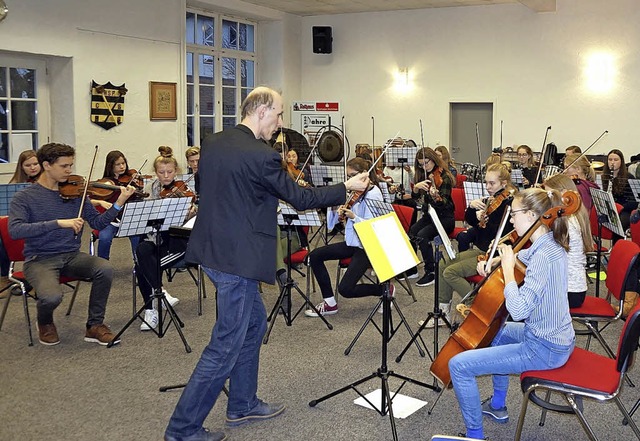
403 406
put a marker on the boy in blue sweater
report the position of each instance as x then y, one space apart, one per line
52 228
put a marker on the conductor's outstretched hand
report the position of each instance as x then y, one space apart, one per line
359 182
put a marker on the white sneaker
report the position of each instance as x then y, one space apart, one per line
151 319
173 301
446 308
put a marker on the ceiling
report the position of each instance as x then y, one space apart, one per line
327 7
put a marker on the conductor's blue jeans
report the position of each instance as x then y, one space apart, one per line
233 352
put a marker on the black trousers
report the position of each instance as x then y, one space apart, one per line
422 234
348 286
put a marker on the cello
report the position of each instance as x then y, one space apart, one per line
488 311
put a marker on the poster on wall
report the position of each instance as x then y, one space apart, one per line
107 104
310 117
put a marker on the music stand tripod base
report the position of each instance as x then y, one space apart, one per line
383 373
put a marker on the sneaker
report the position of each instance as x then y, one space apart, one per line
426 280
48 334
173 301
392 290
202 435
409 274
150 320
498 415
323 308
262 411
100 334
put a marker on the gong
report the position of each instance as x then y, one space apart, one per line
330 147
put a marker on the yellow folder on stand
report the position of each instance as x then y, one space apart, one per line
387 246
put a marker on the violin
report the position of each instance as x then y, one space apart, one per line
177 189
488 311
102 189
296 175
496 202
131 177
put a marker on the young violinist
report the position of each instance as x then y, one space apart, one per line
52 230
443 152
484 215
528 166
579 169
434 182
193 158
351 247
27 168
172 249
580 241
615 180
116 168
542 335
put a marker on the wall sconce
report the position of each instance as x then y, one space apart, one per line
600 72
402 83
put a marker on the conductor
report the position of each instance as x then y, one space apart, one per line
234 239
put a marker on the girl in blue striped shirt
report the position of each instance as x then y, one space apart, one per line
541 336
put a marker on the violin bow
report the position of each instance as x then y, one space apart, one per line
586 150
136 174
544 149
86 184
307 161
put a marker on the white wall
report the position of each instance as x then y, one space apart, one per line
531 65
120 41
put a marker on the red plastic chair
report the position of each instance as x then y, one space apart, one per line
14 248
457 194
585 375
460 180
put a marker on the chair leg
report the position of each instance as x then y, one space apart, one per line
200 289
25 298
543 415
585 424
4 308
73 297
523 412
134 288
627 417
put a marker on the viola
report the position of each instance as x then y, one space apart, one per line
494 204
488 311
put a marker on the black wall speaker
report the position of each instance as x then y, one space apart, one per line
322 40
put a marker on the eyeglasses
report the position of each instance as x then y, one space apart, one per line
523 154
352 175
517 211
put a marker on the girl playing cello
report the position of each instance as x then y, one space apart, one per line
542 337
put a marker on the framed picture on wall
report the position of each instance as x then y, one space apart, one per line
162 101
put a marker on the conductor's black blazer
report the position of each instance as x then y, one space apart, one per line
241 180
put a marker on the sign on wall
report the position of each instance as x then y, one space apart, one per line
309 117
107 104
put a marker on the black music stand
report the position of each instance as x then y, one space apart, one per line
401 156
380 208
436 313
322 176
386 231
288 216
607 217
154 216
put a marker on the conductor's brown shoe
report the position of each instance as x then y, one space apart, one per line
100 334
48 334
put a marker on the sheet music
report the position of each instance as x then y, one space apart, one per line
444 237
308 218
606 206
137 215
473 191
7 191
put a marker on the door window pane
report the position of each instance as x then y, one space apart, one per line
228 122
206 69
3 82
207 100
228 71
228 100
206 128
247 74
189 68
190 130
3 116
204 31
190 34
246 37
23 115
23 82
229 34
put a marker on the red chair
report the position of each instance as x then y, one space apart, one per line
596 313
460 180
585 375
14 248
460 203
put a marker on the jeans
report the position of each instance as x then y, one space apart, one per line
233 352
514 350
43 275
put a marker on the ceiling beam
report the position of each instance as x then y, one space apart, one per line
540 5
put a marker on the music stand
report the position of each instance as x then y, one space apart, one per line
7 191
635 188
383 238
436 314
288 216
378 209
516 177
473 191
608 217
401 156
322 176
144 217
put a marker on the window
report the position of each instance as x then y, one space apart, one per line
220 69
23 97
